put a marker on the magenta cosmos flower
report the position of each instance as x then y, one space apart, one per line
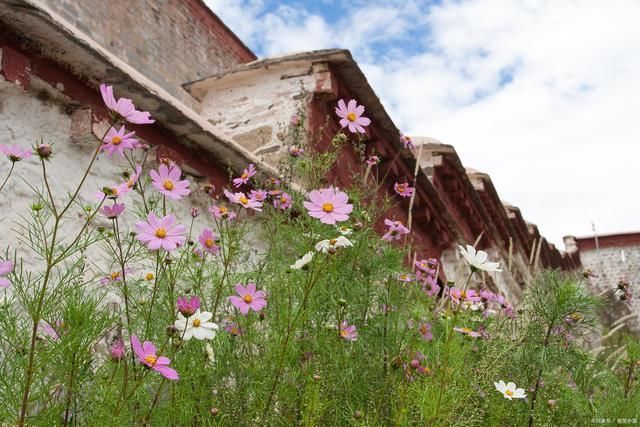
116 141
395 231
244 201
246 174
124 107
328 205
14 152
6 267
188 306
283 201
146 353
248 298
351 116
208 241
167 181
348 332
117 351
403 189
162 233
113 211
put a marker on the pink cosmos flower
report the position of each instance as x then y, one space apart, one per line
430 286
188 306
328 205
425 330
118 190
372 161
258 195
116 141
246 174
208 241
348 332
487 296
243 200
113 211
403 189
271 182
351 116
467 331
427 265
406 141
295 151
233 329
14 152
283 201
117 351
6 267
146 353
404 277
115 277
458 295
162 232
248 298
222 212
51 331
396 230
124 107
167 181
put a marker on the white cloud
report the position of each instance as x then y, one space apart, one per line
560 140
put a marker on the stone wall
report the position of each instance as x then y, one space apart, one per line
612 258
169 41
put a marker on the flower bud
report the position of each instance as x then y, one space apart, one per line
44 151
214 411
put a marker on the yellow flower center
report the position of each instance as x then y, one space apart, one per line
196 323
161 233
508 392
223 211
283 200
116 140
423 329
149 276
333 241
343 333
400 188
247 298
130 183
466 330
114 191
168 185
208 243
243 200
351 117
463 294
244 176
151 359
327 207
403 277
115 275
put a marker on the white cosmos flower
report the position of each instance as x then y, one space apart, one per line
478 260
197 326
509 390
344 230
330 245
306 259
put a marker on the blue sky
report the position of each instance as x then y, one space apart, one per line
540 94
